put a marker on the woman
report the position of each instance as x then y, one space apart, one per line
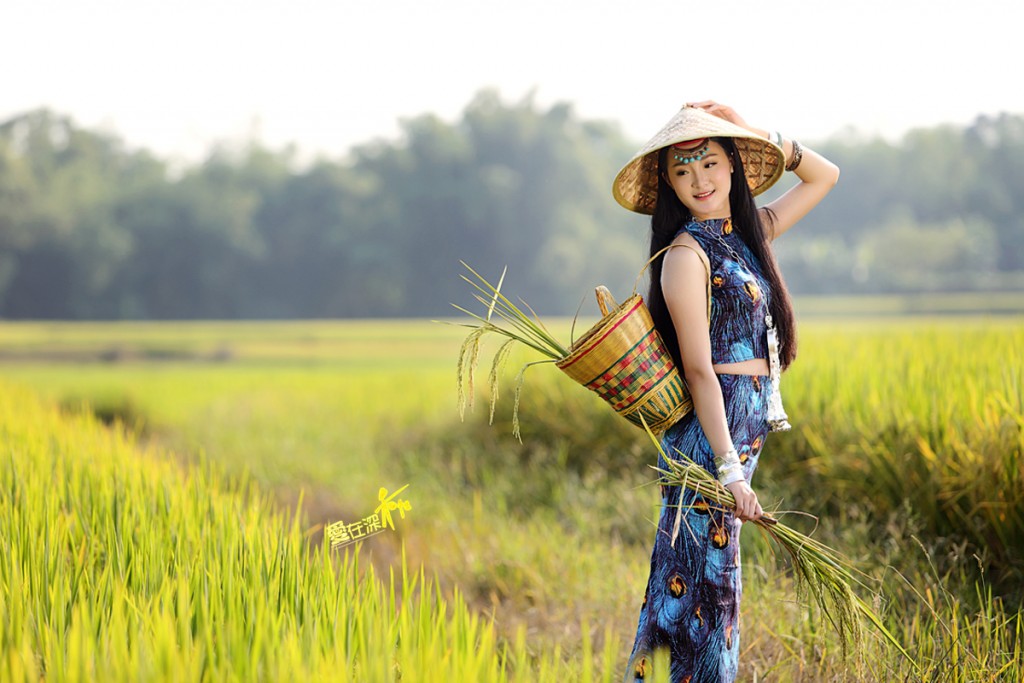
698 177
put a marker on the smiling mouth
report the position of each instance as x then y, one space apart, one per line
703 195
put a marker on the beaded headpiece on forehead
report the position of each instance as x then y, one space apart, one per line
690 151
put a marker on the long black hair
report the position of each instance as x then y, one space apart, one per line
670 215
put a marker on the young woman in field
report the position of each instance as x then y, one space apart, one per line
697 178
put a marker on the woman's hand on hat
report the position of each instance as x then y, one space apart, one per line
722 111
747 507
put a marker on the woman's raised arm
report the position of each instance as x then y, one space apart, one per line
817 174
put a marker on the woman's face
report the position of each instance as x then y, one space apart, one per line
702 186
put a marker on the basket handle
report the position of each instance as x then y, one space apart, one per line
659 253
605 300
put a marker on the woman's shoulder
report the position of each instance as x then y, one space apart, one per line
690 243
689 234
684 236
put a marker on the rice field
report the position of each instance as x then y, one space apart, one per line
165 487
117 565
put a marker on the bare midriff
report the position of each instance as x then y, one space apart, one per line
754 366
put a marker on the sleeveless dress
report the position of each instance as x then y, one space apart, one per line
691 603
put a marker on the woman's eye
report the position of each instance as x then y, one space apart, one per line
710 164
680 172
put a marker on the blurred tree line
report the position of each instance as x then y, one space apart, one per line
91 229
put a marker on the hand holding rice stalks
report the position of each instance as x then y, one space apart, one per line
819 570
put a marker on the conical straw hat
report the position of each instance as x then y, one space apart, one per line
636 185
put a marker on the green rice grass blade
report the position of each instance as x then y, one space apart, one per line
490 309
575 317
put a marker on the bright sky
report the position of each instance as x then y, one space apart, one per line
177 75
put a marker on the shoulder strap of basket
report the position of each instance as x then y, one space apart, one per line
707 269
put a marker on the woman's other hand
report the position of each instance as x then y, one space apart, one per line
747 507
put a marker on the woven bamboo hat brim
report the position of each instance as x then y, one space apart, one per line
636 185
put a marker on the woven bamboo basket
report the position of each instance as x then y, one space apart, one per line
624 360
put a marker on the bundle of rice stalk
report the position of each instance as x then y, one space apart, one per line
819 570
517 327
622 358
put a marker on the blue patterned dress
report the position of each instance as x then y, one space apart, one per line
692 600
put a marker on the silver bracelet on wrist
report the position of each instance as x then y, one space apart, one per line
729 468
730 475
729 456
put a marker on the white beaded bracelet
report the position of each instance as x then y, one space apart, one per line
729 468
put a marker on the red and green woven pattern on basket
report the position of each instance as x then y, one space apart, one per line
640 369
642 381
